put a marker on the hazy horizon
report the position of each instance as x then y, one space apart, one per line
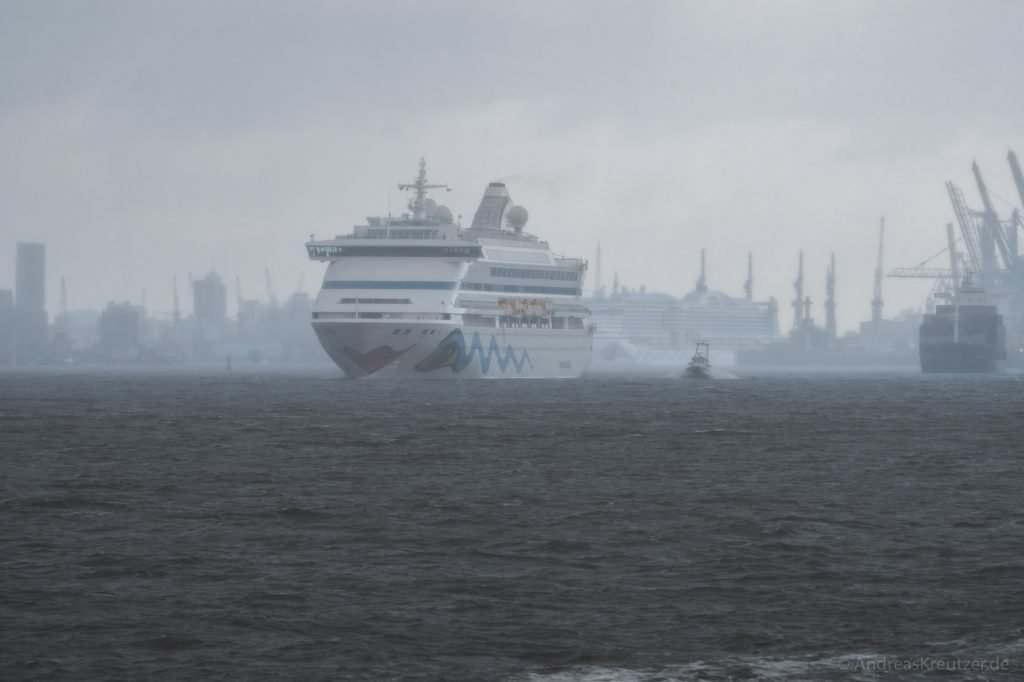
144 140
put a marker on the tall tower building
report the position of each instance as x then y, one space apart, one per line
210 300
30 276
209 313
30 319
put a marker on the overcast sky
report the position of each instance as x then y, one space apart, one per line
143 139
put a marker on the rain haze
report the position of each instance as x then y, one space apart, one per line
274 277
144 139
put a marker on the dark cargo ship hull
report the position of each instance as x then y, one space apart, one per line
962 338
958 357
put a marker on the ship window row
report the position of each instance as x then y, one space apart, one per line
396 233
337 251
382 316
523 322
515 289
371 301
514 256
385 284
520 273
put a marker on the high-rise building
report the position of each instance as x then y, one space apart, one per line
30 276
210 300
209 313
30 319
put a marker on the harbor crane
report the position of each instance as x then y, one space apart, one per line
798 288
990 220
1018 177
830 298
876 301
967 227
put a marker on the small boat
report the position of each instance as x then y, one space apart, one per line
700 363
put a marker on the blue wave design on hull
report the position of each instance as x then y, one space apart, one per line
452 352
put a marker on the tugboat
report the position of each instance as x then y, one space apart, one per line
700 363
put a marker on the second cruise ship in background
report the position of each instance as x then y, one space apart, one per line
644 332
421 296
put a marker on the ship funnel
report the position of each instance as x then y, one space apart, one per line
492 207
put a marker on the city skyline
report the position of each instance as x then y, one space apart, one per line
785 126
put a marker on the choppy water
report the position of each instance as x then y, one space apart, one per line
264 526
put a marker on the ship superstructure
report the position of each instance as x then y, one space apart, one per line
421 296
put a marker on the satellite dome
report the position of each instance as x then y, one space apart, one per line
429 205
516 217
443 214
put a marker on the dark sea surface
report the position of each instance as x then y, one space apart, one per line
266 526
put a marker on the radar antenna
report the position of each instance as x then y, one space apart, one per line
419 204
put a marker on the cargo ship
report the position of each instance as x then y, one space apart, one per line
965 334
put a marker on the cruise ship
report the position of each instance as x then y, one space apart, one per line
421 296
641 332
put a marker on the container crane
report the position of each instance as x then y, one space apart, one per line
991 220
954 257
1018 177
967 227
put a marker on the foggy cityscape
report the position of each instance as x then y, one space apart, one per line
273 276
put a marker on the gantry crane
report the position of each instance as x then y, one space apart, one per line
967 227
990 220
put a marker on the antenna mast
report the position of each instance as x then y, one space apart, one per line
418 204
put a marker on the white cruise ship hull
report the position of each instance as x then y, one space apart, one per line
448 350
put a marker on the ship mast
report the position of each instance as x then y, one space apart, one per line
702 284
420 187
